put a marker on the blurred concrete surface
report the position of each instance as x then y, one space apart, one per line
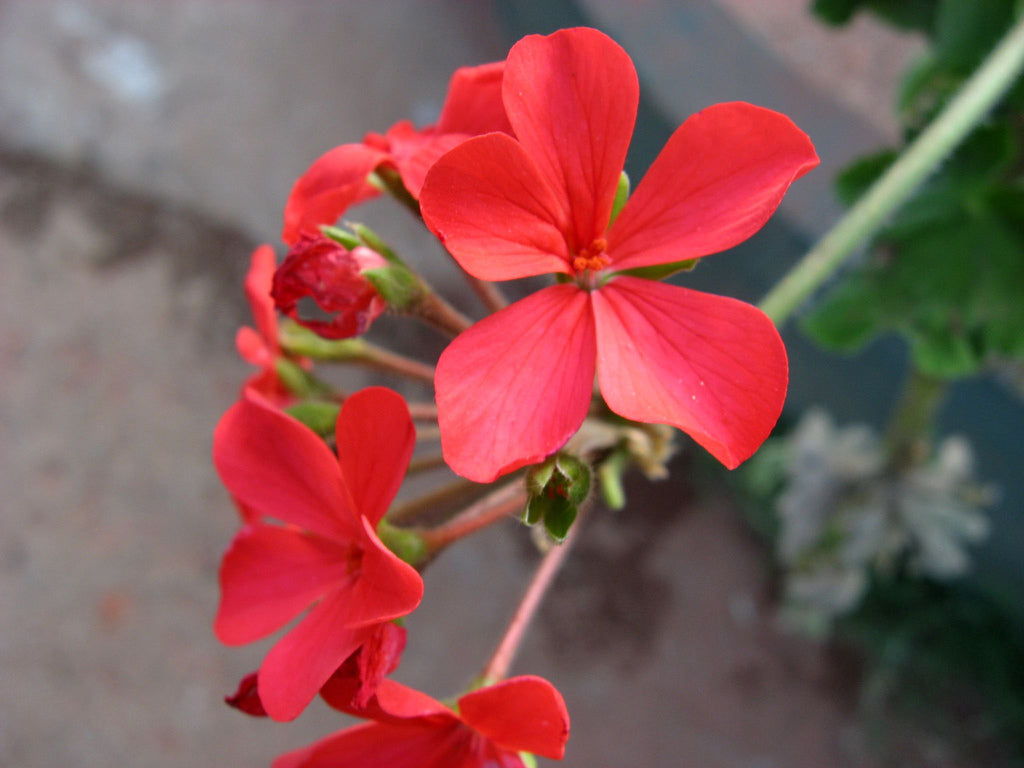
144 149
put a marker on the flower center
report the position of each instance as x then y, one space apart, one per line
592 257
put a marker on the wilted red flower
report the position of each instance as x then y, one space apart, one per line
326 554
354 682
331 275
514 387
338 179
412 730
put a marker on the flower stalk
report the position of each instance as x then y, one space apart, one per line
493 507
500 663
975 98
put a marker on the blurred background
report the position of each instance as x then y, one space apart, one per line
146 148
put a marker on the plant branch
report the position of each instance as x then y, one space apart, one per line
493 507
977 95
500 663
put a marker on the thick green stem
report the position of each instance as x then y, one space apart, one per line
979 94
913 421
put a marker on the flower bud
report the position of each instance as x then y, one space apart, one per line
331 275
557 488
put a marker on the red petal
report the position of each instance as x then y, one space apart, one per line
492 209
378 745
252 348
521 714
712 366
414 152
375 439
473 105
247 698
572 98
269 575
302 661
280 468
399 702
387 586
515 386
717 181
356 681
334 182
257 291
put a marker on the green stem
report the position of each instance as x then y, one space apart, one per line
979 94
913 421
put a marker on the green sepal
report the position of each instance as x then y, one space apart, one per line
298 381
621 196
341 236
558 519
399 287
557 488
369 238
318 415
407 545
661 271
528 759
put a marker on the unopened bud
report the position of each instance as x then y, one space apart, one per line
557 488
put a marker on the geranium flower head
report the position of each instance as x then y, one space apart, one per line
411 730
339 179
514 387
320 269
324 555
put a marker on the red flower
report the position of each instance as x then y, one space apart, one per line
338 179
327 553
514 387
412 730
319 268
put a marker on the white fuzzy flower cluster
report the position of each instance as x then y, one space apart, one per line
844 515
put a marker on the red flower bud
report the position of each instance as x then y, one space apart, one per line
319 268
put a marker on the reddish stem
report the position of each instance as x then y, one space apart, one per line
493 507
497 668
423 411
488 293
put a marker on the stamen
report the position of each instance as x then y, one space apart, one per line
592 257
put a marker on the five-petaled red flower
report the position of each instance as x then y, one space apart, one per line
338 179
326 553
514 387
412 730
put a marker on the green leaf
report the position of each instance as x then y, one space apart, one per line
848 318
966 30
835 11
854 180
